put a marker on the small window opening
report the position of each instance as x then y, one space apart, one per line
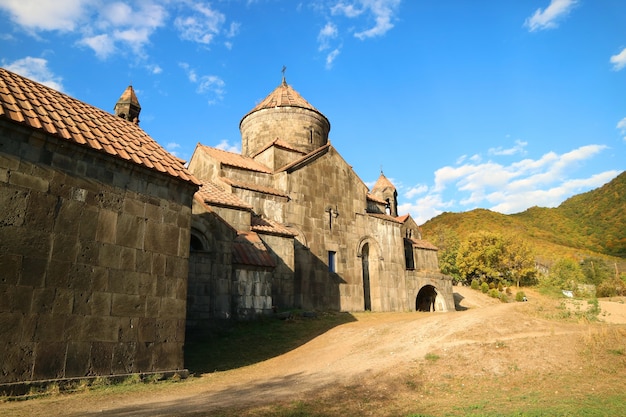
332 261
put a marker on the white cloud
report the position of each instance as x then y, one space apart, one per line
512 188
382 12
326 34
102 45
36 69
61 15
518 148
226 146
548 17
201 26
210 85
416 190
619 60
621 125
330 58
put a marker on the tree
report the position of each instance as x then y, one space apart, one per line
595 270
519 261
448 244
496 259
567 274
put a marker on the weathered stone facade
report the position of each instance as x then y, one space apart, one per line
93 246
334 244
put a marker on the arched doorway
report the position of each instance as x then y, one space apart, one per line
426 297
365 254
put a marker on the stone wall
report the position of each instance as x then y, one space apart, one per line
93 262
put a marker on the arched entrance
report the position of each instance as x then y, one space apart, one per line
365 251
426 298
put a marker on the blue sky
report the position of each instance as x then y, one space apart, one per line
490 104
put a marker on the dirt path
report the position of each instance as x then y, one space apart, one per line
377 345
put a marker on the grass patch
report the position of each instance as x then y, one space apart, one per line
432 357
237 344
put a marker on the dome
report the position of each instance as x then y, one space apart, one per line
284 114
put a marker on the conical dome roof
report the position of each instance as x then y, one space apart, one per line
382 184
283 96
129 96
283 115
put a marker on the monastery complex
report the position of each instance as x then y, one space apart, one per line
112 250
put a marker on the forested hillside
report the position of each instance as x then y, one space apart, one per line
587 225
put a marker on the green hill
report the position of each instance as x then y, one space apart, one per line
592 224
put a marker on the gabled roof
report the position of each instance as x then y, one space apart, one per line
249 249
376 199
384 217
267 226
253 187
234 159
279 143
212 194
28 103
423 244
306 158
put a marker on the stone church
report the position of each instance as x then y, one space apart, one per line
111 248
288 224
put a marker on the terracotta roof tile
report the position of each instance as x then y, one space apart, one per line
32 104
382 183
254 187
423 244
376 199
234 159
211 193
249 249
263 225
384 217
283 96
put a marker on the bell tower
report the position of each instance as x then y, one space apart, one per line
127 107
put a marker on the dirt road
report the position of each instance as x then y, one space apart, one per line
486 338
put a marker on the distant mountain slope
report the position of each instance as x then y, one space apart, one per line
588 224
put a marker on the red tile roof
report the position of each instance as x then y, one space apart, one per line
41 108
279 143
376 199
253 187
423 244
249 249
384 217
212 194
283 96
234 159
263 225
382 183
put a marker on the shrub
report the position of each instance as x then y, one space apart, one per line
503 297
492 285
519 296
493 293
484 287
475 284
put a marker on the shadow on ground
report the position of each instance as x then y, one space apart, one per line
230 345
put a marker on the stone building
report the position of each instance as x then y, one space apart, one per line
94 239
288 223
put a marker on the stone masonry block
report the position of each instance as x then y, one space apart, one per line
106 230
33 272
123 355
27 181
130 231
17 362
101 329
43 300
49 360
77 360
10 266
10 326
125 305
41 211
101 358
50 328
